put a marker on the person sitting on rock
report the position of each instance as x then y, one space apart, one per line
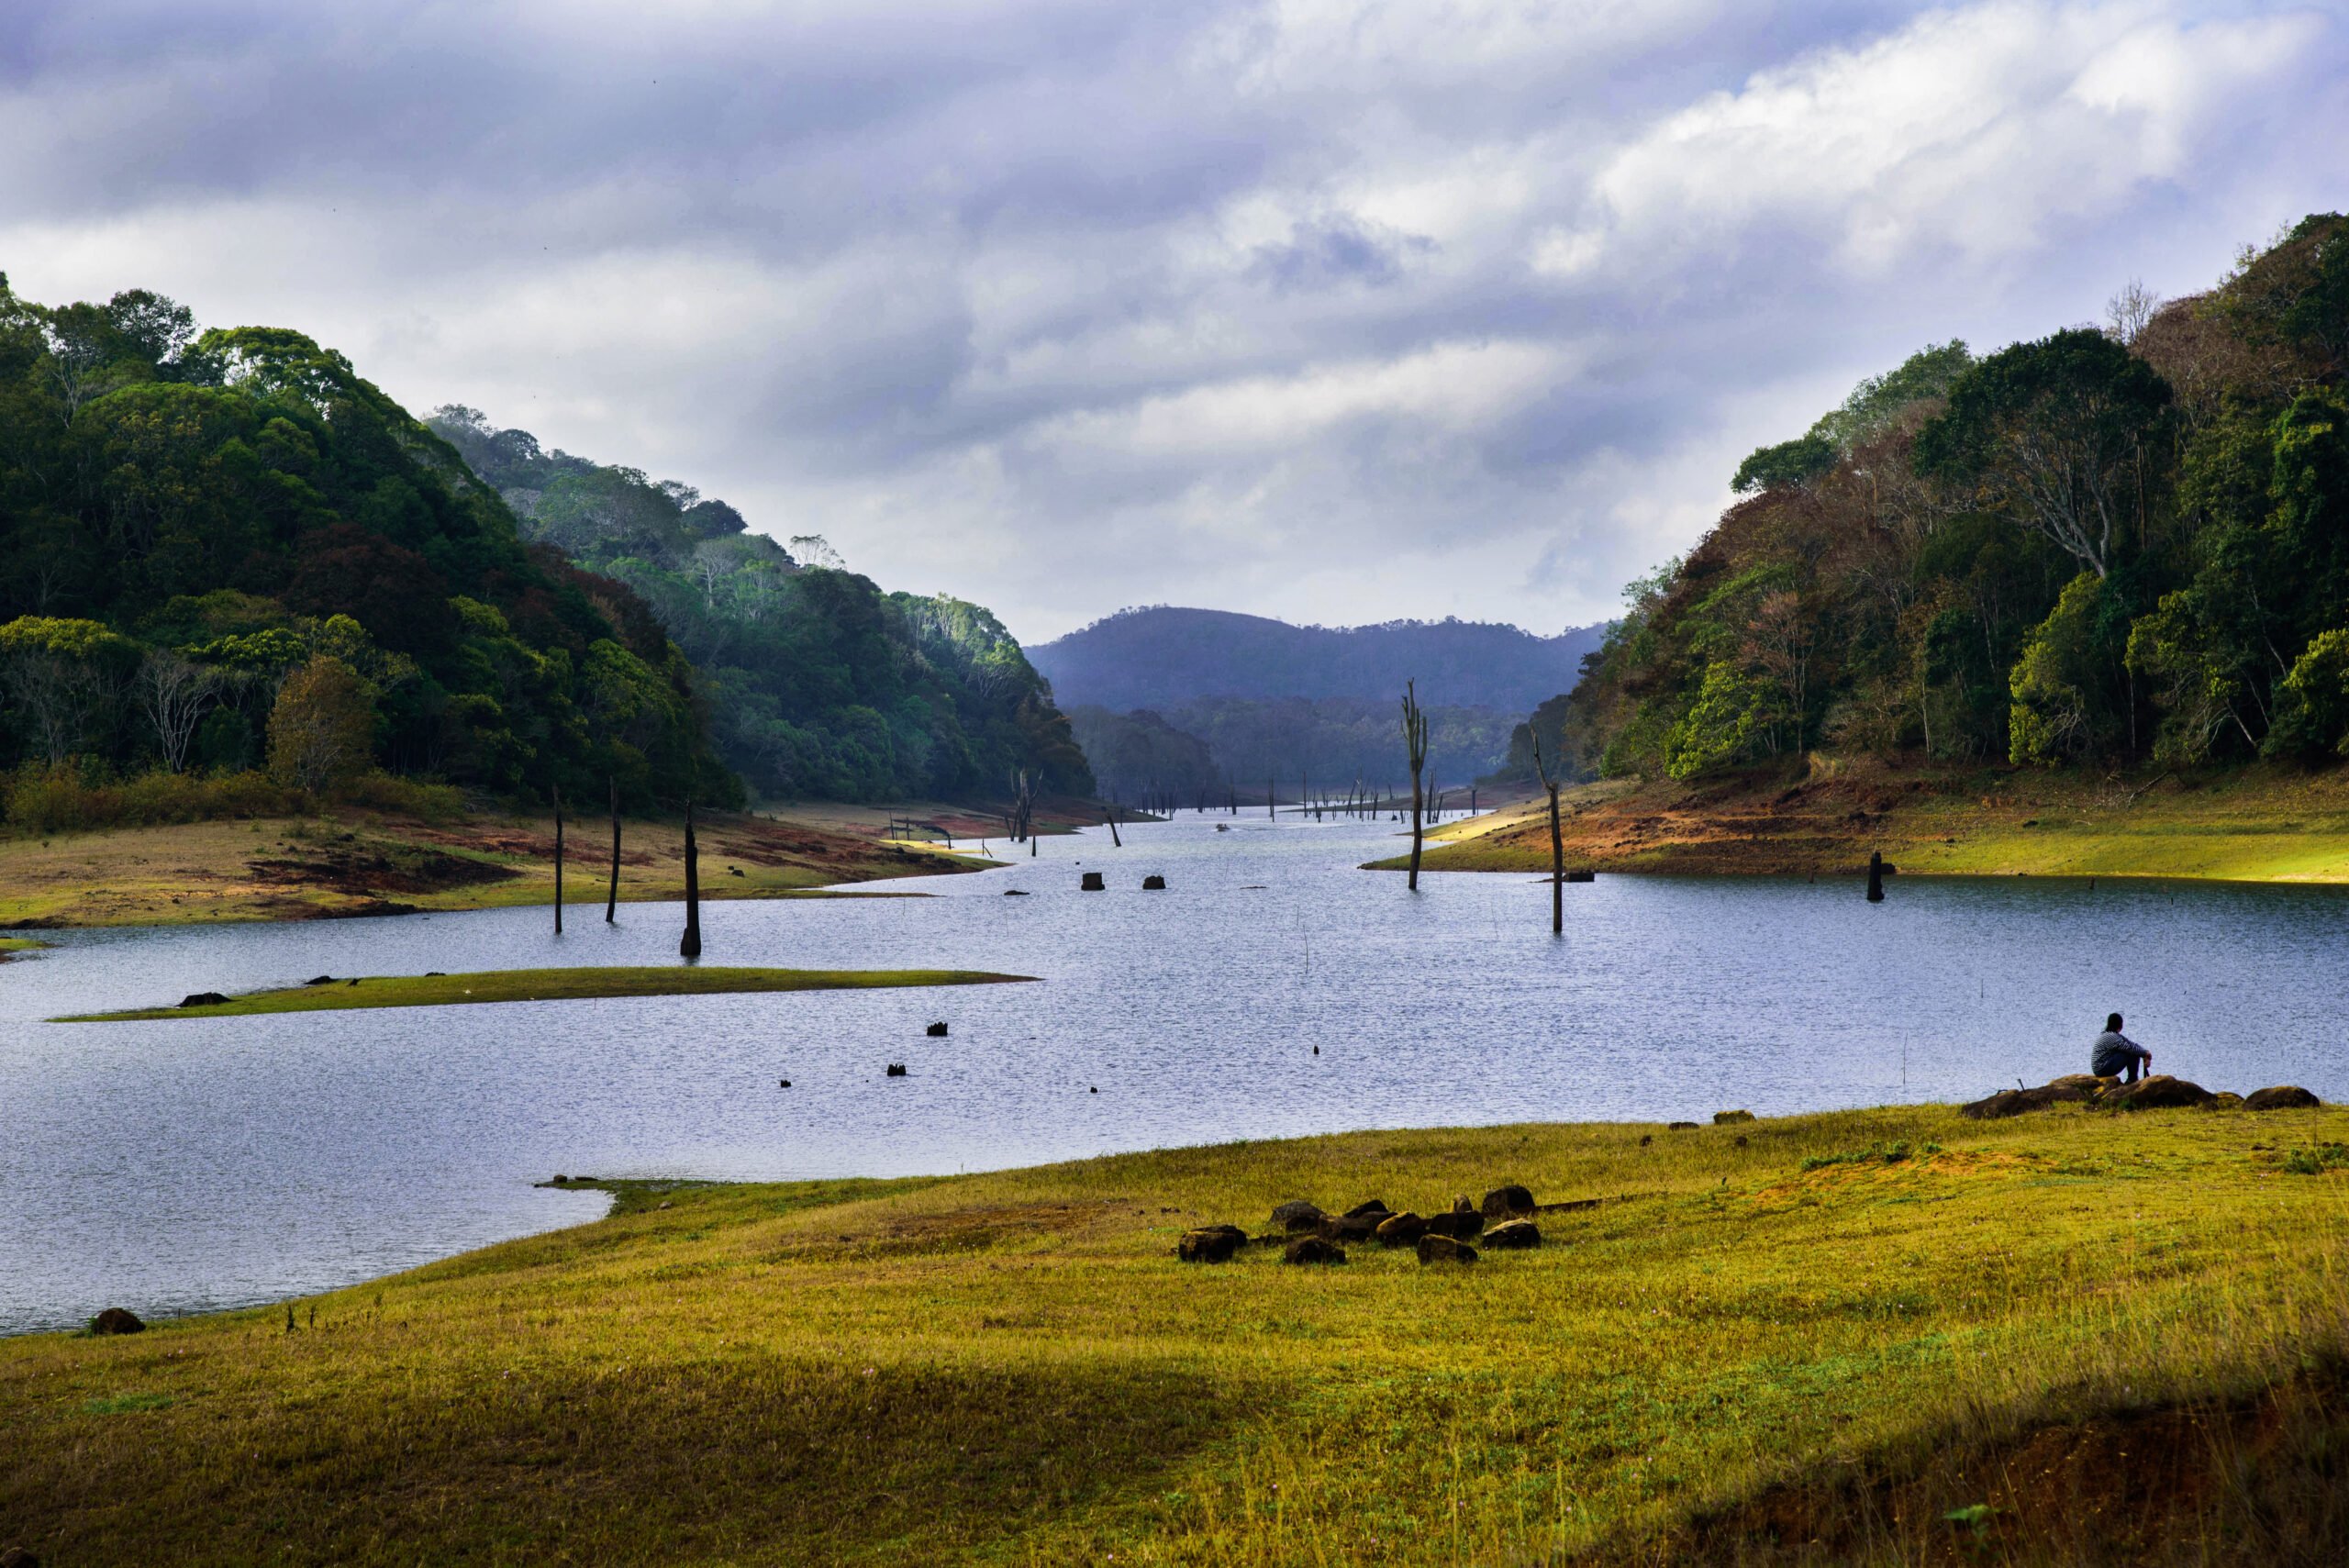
2115 1055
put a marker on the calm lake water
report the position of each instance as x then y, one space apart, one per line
183 1165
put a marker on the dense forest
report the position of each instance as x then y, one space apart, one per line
1215 745
2115 545
225 553
819 685
1164 657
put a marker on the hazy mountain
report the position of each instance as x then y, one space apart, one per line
1164 657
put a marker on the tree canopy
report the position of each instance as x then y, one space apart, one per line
2111 546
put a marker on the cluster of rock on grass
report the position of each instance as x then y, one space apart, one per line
2157 1091
1306 1235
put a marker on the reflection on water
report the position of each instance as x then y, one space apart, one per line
175 1166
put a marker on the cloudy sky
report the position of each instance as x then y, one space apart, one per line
1338 312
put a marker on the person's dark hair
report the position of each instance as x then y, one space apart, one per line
2112 1023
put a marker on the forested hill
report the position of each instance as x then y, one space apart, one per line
1162 657
226 549
818 684
2104 547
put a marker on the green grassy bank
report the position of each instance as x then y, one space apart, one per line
545 985
1841 1328
2254 824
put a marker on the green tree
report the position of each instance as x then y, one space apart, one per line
2056 436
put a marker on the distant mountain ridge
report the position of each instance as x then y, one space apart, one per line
1163 656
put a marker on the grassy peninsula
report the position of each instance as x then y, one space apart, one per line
1871 1335
354 861
329 996
2262 823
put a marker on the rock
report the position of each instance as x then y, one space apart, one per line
17 1557
319 980
1154 885
1461 1224
1581 876
1372 1206
1445 1250
783 1083
1680 1126
1511 1199
1401 1229
1354 1227
2223 1101
1514 1233
202 999
1093 882
2073 1088
936 1031
1015 893
1299 1215
1729 1118
1646 1139
1742 1140
2160 1092
116 1320
2282 1098
734 870
1210 1244
895 1070
1313 1250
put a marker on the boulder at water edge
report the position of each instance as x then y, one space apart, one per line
2076 1088
202 999
1727 1118
2160 1092
1514 1233
2282 1098
116 1320
1445 1250
1210 1244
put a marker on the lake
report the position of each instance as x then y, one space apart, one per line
178 1167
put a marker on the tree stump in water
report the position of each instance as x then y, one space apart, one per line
1875 876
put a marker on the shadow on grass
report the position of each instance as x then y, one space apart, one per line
797 1459
2259 1479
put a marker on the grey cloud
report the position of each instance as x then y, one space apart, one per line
1341 315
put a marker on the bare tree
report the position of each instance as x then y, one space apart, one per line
1415 746
557 859
2128 312
1557 844
175 693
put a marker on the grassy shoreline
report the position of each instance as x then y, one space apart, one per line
1014 1366
2258 824
586 983
357 861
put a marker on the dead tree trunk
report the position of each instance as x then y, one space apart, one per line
1114 840
557 859
1875 876
691 946
1557 847
1415 747
612 899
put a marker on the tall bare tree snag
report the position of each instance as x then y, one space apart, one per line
557 859
1115 841
1557 845
612 899
1415 746
691 946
